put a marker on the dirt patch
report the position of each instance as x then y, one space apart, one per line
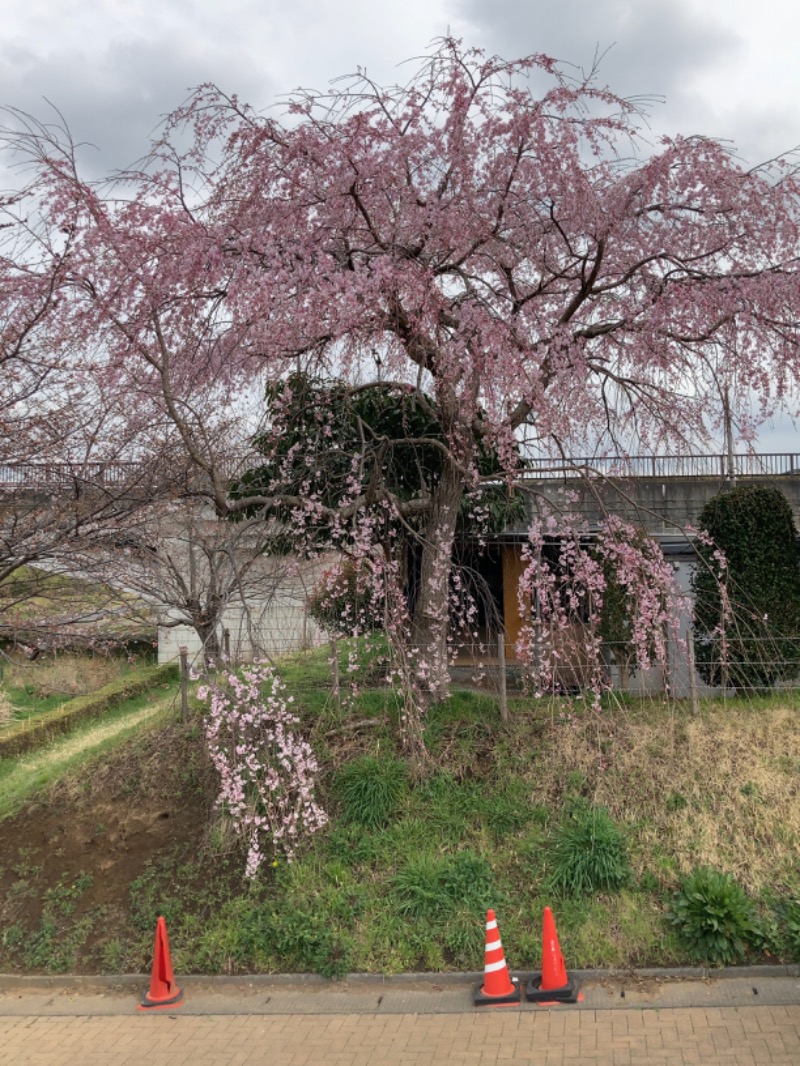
70 859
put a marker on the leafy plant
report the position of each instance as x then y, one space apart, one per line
370 790
712 916
788 915
589 851
307 942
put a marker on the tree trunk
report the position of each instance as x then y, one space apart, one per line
431 610
209 636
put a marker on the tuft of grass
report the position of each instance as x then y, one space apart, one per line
370 790
428 887
589 853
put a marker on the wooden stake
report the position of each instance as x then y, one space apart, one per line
335 664
184 656
501 669
692 672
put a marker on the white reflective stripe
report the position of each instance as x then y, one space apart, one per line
491 967
492 924
495 944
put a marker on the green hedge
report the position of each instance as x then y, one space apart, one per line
754 527
33 732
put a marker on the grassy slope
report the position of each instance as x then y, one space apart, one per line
23 777
479 830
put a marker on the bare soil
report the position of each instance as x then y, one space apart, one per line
68 860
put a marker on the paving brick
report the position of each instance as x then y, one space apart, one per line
767 1035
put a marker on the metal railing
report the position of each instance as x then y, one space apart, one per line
771 464
46 475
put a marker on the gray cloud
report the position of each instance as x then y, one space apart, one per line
645 49
113 99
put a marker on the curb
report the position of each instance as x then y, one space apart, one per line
108 982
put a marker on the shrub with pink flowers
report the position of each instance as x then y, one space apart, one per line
574 579
267 771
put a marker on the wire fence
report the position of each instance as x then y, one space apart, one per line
493 664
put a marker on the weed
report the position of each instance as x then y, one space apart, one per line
675 801
787 913
149 899
429 887
589 853
712 916
370 790
113 957
463 939
63 898
306 941
649 883
576 782
506 808
23 867
14 936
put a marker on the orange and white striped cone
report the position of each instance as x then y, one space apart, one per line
498 987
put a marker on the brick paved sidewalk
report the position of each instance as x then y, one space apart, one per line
694 1036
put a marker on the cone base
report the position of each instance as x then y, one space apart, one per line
153 1004
568 993
484 999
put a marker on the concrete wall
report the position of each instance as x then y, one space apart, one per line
261 628
662 505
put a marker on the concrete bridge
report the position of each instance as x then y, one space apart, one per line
663 493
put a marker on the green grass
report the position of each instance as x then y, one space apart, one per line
26 703
35 688
25 775
599 815
30 732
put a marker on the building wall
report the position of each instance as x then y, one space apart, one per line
261 629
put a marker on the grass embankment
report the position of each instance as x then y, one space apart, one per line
45 715
401 878
25 775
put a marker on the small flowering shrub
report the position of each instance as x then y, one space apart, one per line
612 584
267 772
349 600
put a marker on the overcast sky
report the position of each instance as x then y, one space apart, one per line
114 67
727 68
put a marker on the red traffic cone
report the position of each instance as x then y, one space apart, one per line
498 986
163 991
552 985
